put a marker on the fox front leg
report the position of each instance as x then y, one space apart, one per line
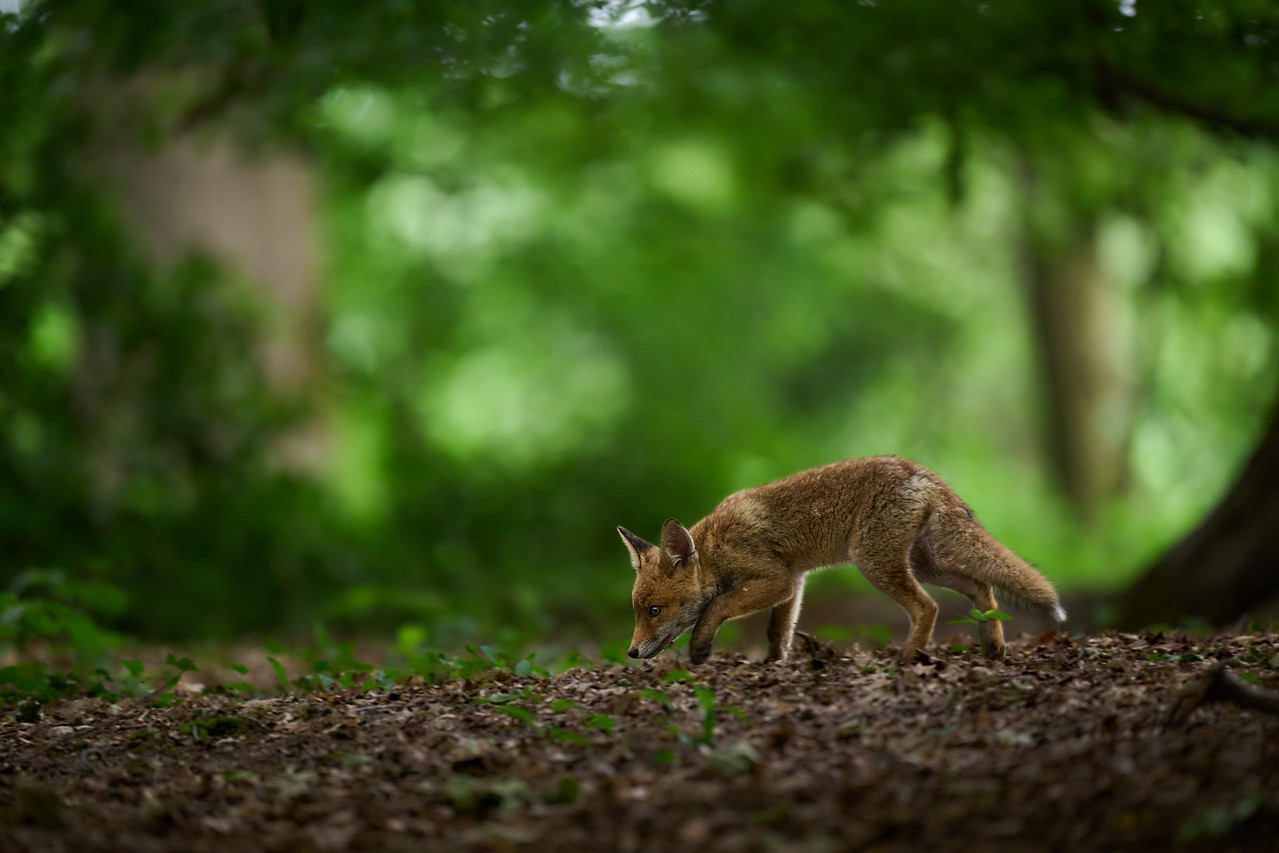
747 598
781 623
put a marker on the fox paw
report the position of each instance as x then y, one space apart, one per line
914 656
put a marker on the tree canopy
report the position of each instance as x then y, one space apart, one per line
587 263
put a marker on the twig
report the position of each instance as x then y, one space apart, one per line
1220 685
1116 80
87 757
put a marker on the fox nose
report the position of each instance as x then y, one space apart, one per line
633 653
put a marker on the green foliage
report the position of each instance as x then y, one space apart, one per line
280 674
733 757
36 683
45 606
677 675
592 264
604 722
45 615
562 735
524 715
163 696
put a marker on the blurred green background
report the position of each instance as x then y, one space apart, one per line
391 312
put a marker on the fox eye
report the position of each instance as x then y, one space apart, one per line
654 610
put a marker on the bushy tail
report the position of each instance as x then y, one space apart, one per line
963 547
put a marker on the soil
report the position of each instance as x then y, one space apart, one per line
1069 744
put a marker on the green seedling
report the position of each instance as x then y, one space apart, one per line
706 701
210 728
706 698
601 721
677 675
162 696
654 695
979 618
563 735
280 673
524 715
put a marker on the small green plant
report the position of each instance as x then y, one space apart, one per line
45 607
525 694
678 675
281 673
980 618
706 699
208 728
602 721
563 735
239 686
652 694
162 696
524 715
710 714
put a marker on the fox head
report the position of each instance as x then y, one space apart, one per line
667 596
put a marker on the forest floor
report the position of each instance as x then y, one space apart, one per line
1070 744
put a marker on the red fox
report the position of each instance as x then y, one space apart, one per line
896 519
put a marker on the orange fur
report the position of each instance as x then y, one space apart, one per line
896 519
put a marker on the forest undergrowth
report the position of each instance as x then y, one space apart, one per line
1105 741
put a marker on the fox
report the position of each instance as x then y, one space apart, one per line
898 521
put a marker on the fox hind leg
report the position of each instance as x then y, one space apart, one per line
929 568
884 557
894 579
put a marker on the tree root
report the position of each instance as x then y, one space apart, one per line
1220 685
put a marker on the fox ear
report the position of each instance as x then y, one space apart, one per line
677 542
635 545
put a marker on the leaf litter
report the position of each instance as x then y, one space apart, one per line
1071 743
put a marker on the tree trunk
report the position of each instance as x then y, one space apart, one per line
254 211
1226 566
1084 356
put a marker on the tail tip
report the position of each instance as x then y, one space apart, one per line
1057 612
